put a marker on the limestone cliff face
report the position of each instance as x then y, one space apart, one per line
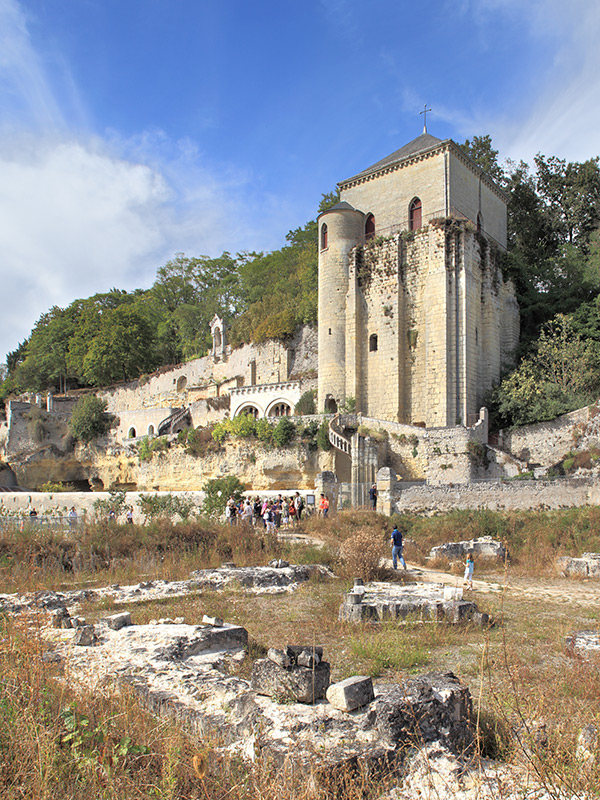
258 467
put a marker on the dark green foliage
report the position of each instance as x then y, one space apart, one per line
323 436
89 419
560 375
218 492
284 432
306 404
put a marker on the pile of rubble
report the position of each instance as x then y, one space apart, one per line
277 578
584 644
378 601
483 547
588 566
288 708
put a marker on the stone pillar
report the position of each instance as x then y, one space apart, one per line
49 402
386 486
327 483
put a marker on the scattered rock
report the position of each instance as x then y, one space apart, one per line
352 693
425 709
85 636
585 644
61 619
588 566
279 657
587 745
216 622
279 563
297 683
52 657
118 621
483 547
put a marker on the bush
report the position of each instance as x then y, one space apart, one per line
218 492
361 553
306 404
89 419
284 432
323 436
166 506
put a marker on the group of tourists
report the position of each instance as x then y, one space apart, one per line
270 513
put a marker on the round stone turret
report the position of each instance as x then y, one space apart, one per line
340 229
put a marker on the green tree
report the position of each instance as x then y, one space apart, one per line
89 418
217 493
122 348
560 375
480 150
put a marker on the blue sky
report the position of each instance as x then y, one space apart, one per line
134 129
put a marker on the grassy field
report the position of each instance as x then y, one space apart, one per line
530 699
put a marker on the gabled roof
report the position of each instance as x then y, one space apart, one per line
423 142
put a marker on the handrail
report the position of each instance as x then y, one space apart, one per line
339 440
166 426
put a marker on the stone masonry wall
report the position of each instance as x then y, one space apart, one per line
496 496
545 443
204 377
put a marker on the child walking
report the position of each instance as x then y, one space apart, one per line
469 567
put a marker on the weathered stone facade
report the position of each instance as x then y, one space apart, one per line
414 324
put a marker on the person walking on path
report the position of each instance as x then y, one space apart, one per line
396 539
469 567
373 496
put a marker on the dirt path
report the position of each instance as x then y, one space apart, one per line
556 590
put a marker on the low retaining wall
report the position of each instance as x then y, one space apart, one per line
497 496
58 504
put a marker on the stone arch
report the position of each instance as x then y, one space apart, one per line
279 408
131 434
181 383
150 430
331 406
248 408
415 214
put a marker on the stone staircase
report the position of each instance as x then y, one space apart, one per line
169 423
338 438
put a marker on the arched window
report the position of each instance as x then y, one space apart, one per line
250 410
131 434
181 383
370 227
150 430
414 215
479 223
323 236
279 410
372 343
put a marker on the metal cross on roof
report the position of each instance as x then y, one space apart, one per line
424 112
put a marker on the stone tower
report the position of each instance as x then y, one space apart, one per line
415 319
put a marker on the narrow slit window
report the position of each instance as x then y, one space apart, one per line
370 227
324 240
373 343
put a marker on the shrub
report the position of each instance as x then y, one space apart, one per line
361 553
218 492
55 486
306 404
284 432
323 436
166 506
116 501
89 418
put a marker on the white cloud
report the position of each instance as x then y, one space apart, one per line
80 214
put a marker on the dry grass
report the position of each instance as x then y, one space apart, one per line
530 698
